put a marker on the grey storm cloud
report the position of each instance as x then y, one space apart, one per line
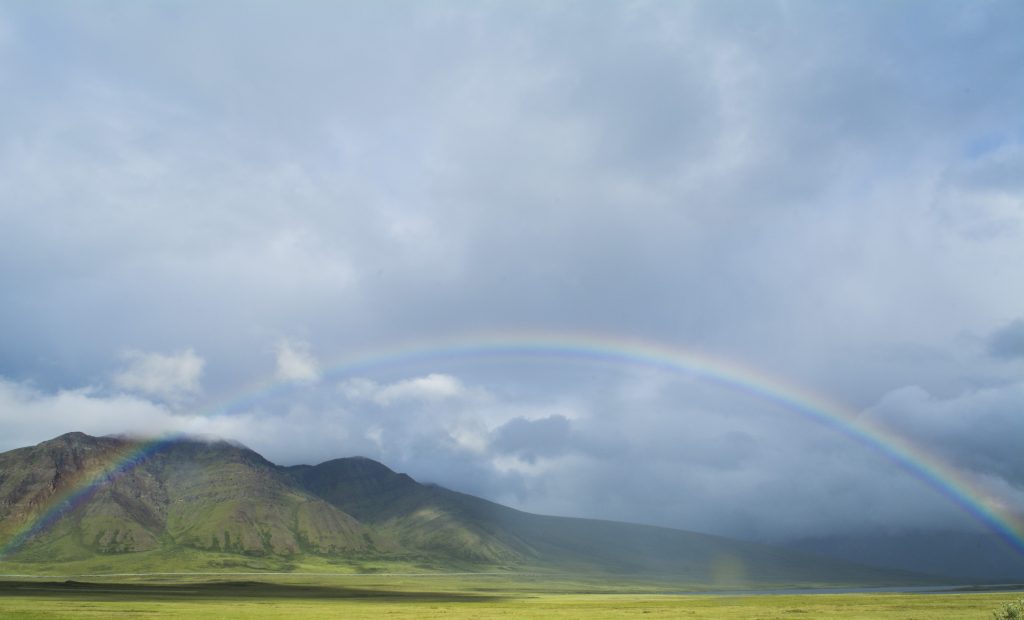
823 192
532 438
1008 341
977 429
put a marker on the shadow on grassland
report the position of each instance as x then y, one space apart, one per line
224 590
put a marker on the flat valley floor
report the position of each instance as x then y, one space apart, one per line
455 597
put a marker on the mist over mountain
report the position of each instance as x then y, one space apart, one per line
200 505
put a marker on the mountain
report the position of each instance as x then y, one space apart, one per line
212 501
207 496
453 524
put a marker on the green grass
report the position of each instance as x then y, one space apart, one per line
436 596
187 560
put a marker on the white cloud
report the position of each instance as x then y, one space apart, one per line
172 378
30 415
430 388
442 407
296 363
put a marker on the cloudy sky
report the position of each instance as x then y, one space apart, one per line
199 200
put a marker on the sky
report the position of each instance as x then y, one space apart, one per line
211 212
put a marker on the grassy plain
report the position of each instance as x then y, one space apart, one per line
453 596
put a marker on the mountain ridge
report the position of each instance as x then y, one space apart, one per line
221 499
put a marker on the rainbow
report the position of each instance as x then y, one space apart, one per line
79 491
598 348
618 350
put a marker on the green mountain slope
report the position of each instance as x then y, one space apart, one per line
433 518
195 505
420 517
206 496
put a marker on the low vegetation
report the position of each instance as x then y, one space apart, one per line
1010 611
455 597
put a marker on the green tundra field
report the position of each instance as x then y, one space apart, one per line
453 596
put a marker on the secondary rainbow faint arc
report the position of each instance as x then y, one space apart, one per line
598 347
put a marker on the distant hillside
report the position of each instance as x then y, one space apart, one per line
207 501
454 524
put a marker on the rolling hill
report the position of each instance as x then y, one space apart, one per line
198 505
